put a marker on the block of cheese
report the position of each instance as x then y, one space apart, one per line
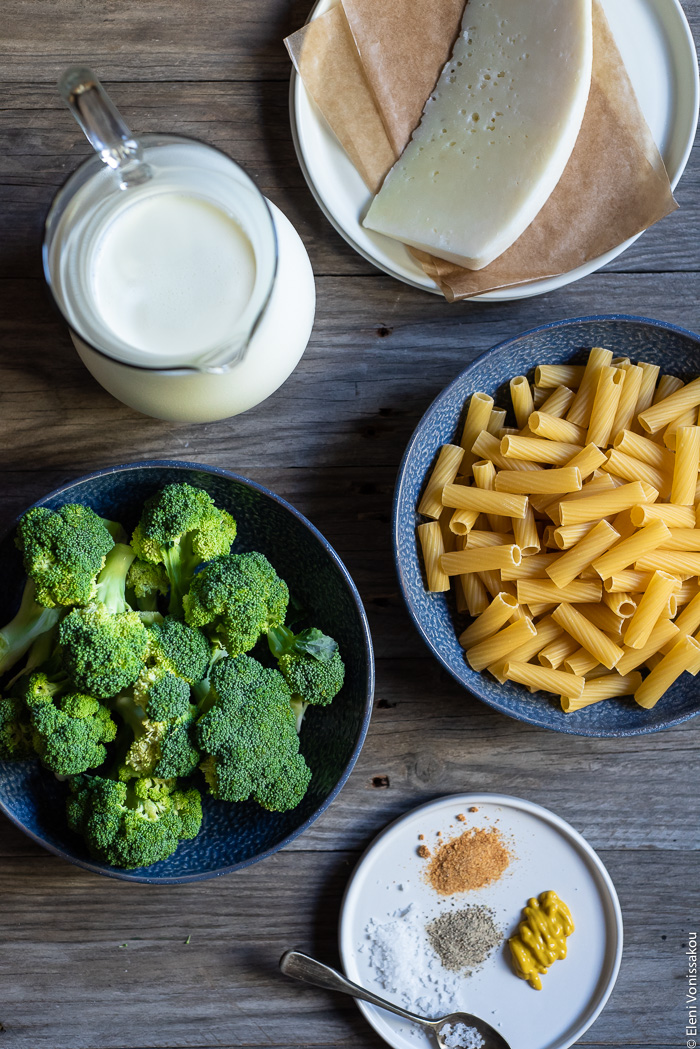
496 133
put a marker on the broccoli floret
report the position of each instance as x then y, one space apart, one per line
250 739
105 644
31 621
63 552
146 582
310 663
160 719
132 824
235 599
16 733
69 728
181 528
179 648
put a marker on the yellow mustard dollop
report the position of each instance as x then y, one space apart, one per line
541 937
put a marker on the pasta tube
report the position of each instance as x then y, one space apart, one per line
539 591
565 538
444 472
542 679
546 482
567 567
685 655
645 450
499 645
685 473
581 662
478 419
521 399
556 651
650 375
629 396
628 582
672 516
552 428
558 402
500 503
628 551
478 538
530 567
587 634
486 446
634 470
651 606
484 559
685 563
593 507
602 688
605 405
545 632
580 411
497 420
549 375
666 632
664 412
535 450
498 613
525 532
433 547
475 594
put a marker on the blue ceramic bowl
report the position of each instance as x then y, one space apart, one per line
678 352
232 836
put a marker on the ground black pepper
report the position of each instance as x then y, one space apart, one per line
464 939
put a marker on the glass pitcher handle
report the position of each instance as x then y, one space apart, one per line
103 126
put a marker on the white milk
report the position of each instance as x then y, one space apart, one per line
172 272
190 297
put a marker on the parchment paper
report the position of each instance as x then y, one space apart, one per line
614 186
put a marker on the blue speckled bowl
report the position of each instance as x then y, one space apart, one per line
232 836
677 351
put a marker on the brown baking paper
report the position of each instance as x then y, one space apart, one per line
614 186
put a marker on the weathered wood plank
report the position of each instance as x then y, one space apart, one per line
159 992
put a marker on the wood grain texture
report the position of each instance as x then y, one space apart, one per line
88 963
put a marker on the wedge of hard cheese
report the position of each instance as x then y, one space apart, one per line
496 133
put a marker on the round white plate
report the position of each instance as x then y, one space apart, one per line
549 854
658 49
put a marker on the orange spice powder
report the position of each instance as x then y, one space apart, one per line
474 859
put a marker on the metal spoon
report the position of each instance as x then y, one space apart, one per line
302 967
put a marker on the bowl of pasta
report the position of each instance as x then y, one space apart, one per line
545 526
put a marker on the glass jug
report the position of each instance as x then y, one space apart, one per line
189 296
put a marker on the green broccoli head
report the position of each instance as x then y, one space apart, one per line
16 733
179 648
160 719
147 582
69 728
63 551
132 824
103 653
31 621
235 599
250 739
181 528
310 663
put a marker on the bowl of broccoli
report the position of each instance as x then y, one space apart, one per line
186 672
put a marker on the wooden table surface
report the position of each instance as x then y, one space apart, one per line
90 962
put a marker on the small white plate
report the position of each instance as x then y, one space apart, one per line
549 854
658 49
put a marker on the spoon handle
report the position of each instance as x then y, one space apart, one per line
308 970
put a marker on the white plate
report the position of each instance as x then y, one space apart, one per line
659 52
549 854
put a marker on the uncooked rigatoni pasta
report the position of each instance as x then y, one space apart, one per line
573 537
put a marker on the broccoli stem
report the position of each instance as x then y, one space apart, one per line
111 582
116 530
280 639
202 689
180 562
32 620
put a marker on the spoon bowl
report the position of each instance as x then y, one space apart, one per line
446 1028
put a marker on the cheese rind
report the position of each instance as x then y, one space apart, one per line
496 133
